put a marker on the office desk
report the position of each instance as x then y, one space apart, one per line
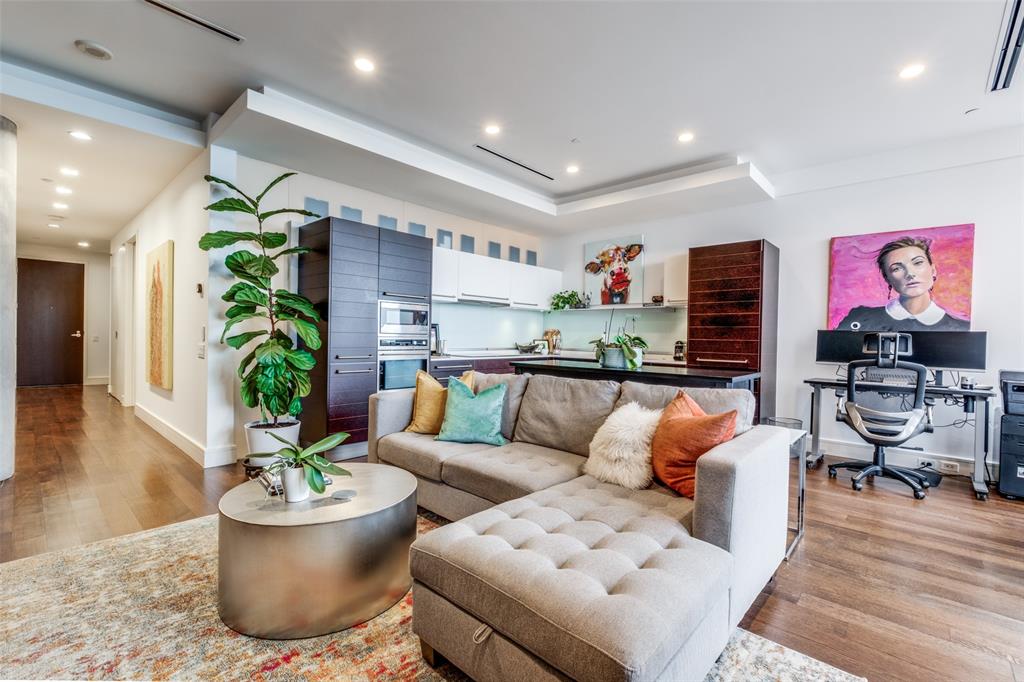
970 396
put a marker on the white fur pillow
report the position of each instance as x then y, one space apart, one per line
620 452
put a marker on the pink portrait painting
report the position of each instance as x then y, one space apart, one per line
906 280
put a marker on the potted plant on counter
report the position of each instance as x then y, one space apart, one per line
274 373
301 469
625 351
567 299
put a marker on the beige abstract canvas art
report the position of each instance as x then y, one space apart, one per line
159 315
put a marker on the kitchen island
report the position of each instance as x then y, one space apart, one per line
648 374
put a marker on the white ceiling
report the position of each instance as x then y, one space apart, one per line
121 170
785 85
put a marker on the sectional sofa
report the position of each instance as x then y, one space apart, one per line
550 574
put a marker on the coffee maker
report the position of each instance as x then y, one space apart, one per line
679 354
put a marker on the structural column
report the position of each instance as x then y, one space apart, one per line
8 292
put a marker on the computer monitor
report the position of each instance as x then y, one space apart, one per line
935 350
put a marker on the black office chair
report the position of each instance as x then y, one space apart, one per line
885 428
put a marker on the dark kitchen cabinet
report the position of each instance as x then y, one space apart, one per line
404 266
732 316
340 277
351 267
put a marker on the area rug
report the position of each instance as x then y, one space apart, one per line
144 606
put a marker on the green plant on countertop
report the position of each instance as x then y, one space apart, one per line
274 374
309 459
629 343
566 299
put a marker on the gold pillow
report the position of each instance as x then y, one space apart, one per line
429 401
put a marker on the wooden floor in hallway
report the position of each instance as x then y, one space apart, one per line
87 469
883 585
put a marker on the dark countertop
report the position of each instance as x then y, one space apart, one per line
645 370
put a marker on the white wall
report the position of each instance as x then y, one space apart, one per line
986 194
97 304
176 213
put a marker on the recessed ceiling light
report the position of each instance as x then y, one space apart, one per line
80 135
59 205
364 64
492 129
53 225
70 172
572 168
686 136
911 71
93 49
63 190
84 245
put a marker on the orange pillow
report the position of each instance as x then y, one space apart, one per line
684 433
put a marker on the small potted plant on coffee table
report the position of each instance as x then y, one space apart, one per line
304 468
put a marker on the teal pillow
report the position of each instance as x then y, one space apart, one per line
470 418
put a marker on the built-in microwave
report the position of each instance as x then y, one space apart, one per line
399 359
400 318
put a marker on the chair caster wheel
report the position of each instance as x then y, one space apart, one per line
919 494
926 484
857 485
831 472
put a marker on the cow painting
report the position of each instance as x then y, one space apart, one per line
612 263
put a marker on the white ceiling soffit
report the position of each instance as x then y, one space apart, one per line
41 88
279 129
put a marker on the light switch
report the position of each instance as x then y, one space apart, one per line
201 354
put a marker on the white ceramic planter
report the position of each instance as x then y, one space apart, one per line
296 488
260 440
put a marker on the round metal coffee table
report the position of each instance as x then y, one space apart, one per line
309 568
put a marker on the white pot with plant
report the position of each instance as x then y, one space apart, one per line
302 469
274 373
624 351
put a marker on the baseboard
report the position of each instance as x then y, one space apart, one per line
97 381
899 456
180 440
218 457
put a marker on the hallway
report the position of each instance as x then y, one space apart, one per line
87 469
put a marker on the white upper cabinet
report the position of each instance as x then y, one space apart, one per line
483 279
532 286
445 275
677 273
469 278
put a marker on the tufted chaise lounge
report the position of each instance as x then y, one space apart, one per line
550 574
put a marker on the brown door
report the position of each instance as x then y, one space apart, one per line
51 333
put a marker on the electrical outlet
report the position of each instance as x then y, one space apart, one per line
924 462
949 467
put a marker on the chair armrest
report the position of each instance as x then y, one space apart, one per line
390 412
742 505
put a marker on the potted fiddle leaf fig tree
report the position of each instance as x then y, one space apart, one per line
274 373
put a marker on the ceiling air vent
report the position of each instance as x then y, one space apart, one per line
514 162
1009 48
196 20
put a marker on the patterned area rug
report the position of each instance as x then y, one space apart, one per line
144 606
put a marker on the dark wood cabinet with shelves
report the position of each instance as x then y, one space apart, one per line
352 266
732 315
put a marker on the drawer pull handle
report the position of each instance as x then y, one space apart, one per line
353 371
731 362
450 367
353 357
416 296
493 298
525 303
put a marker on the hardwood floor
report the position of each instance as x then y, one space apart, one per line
88 469
893 588
883 586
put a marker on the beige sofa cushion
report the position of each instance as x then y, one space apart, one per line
711 400
601 582
420 453
513 470
564 413
516 384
